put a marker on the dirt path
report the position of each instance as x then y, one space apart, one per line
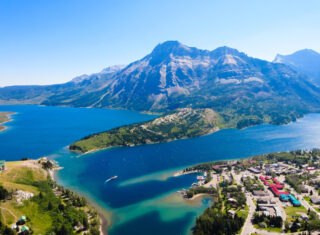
10 212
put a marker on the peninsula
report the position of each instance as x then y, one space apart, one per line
241 90
32 202
184 123
276 192
4 117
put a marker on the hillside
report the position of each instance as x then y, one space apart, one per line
184 123
304 61
27 190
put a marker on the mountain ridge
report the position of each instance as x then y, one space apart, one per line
305 61
242 89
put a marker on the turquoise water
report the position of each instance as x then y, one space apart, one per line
143 200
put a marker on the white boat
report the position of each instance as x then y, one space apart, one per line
112 178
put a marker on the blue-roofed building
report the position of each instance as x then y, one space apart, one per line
292 199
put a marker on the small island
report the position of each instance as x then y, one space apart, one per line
276 192
185 123
4 117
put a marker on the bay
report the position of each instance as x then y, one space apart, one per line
143 199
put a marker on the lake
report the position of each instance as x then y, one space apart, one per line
143 199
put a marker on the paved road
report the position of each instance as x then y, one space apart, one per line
248 226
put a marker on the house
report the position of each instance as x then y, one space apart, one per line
315 200
22 220
304 217
232 200
25 230
200 177
231 212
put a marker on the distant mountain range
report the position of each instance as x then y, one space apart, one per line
304 61
242 89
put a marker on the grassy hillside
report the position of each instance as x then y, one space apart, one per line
51 209
185 123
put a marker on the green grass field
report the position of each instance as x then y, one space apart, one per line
269 229
20 176
294 211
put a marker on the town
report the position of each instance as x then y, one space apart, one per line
280 191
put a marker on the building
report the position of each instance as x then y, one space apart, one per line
292 199
304 217
315 200
218 166
303 188
22 220
310 168
263 200
259 193
254 170
25 230
265 207
276 192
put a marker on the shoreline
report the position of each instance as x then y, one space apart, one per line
122 146
194 197
103 221
10 119
183 172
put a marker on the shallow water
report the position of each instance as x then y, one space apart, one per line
143 198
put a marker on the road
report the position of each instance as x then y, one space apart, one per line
248 226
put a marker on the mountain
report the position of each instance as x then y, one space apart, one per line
304 61
74 89
242 89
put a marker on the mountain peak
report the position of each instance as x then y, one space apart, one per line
220 51
305 61
305 53
165 50
169 47
113 68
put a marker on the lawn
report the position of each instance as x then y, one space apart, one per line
308 199
269 229
243 212
294 211
20 175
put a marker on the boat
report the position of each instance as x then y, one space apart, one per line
112 178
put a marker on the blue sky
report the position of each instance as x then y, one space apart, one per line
45 42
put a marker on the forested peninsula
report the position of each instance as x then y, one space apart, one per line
185 123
